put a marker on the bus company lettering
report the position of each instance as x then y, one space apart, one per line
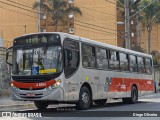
41 84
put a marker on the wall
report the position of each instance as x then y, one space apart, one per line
155 38
17 18
98 22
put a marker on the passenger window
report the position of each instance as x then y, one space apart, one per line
71 57
102 61
124 61
88 54
141 65
133 63
113 60
148 63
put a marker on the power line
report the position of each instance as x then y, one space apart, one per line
95 29
96 26
18 7
26 1
20 4
111 2
97 11
92 31
99 18
17 12
102 32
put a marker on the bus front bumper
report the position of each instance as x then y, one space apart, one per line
56 94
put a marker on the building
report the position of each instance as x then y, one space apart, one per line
98 21
155 38
17 18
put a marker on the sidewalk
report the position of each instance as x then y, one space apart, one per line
6 102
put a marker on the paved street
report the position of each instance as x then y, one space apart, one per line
150 104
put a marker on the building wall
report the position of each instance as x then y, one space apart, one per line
98 22
16 21
155 38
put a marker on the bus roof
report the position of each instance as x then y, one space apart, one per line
92 42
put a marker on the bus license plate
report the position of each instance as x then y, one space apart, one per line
30 94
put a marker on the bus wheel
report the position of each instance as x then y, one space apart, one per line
84 101
41 105
100 102
134 95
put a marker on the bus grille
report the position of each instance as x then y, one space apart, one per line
38 95
32 88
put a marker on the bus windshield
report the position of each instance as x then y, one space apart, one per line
35 59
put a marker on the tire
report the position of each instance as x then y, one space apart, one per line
134 96
100 102
41 105
84 101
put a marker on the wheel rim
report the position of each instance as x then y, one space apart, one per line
85 98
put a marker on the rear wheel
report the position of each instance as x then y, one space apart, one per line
100 102
84 101
134 96
41 105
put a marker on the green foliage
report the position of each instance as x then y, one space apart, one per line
156 57
138 49
58 9
149 14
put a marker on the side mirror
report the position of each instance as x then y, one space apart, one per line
9 52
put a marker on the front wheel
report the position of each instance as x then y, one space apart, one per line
84 101
41 105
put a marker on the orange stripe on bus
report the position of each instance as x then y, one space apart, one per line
33 85
125 84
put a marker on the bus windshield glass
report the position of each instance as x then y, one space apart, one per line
37 59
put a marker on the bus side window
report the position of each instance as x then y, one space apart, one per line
71 57
148 64
88 56
113 60
102 61
133 63
124 62
141 65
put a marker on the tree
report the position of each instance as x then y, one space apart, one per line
58 9
156 57
149 15
137 48
133 17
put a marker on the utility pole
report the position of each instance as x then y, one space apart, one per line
127 24
39 17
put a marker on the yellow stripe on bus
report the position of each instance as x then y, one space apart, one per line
47 71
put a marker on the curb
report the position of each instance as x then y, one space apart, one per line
17 106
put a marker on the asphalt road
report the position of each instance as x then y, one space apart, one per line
147 108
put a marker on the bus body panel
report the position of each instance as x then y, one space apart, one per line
72 84
104 83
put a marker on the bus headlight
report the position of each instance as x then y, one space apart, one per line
14 88
57 84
